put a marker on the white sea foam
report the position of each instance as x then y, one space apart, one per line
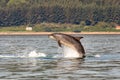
69 52
24 55
66 52
97 55
7 56
35 54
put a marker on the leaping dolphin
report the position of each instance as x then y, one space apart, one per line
71 42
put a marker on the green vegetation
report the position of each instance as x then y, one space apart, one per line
87 15
13 29
57 27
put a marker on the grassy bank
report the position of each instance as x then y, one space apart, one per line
13 29
57 27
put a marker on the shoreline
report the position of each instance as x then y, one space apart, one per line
47 33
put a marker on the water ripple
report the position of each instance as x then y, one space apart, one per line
20 59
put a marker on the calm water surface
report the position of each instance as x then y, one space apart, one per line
38 58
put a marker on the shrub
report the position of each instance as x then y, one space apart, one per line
82 23
103 25
47 29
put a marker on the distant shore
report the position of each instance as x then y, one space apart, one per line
47 33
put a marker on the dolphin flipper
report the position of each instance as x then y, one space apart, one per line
59 43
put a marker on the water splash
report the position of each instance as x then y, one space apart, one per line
69 52
7 56
35 54
32 54
97 55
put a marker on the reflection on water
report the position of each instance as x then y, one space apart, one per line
50 67
32 68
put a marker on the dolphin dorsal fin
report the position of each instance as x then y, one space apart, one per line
59 43
78 38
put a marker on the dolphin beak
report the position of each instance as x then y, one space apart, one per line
51 36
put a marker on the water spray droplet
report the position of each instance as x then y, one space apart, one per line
97 55
35 54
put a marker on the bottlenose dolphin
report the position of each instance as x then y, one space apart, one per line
70 42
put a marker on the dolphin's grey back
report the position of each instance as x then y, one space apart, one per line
76 43
72 40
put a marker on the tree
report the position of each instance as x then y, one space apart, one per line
3 3
16 2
